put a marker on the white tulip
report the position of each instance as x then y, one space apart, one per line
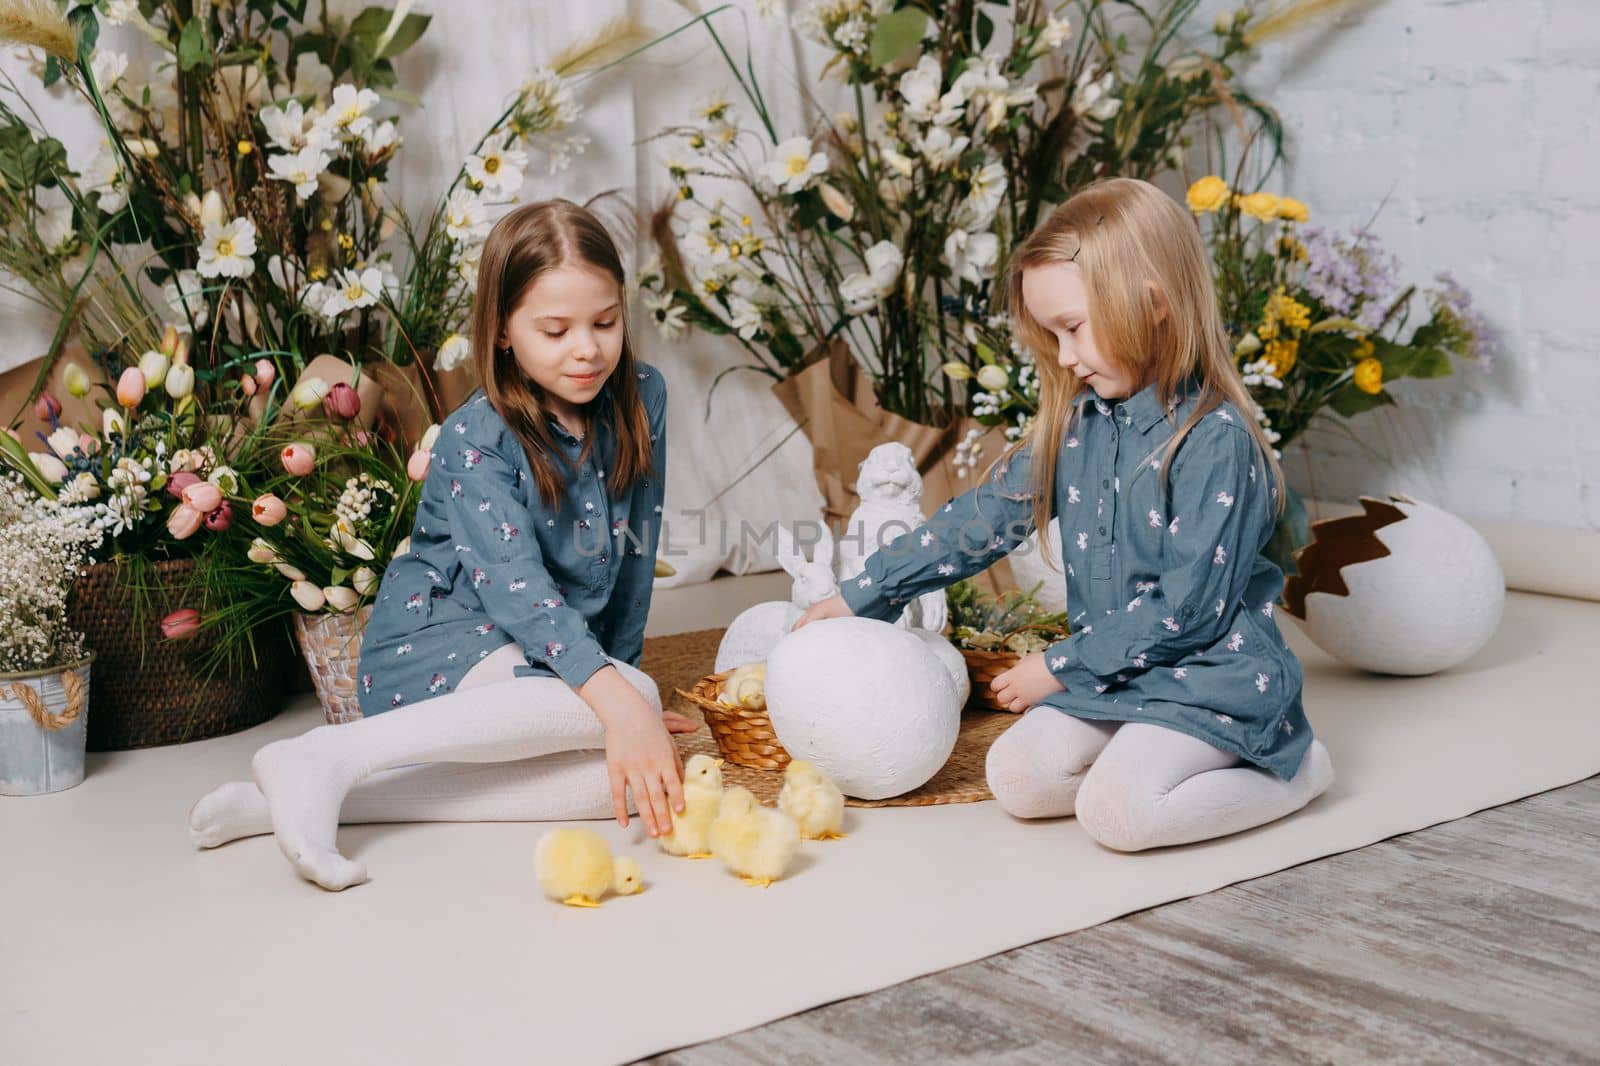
365 581
340 597
307 595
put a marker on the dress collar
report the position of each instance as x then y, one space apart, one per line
1143 408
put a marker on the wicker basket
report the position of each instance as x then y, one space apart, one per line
744 735
331 644
983 667
150 691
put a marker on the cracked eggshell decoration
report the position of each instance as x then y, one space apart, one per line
1402 588
865 701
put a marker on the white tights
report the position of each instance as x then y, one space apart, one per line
499 748
1134 785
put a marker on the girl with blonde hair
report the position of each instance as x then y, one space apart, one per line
1173 711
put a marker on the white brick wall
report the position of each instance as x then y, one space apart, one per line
1480 121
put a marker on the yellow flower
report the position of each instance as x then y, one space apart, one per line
1369 376
1282 354
1207 194
1294 248
1292 312
1292 210
1364 348
245 147
1262 205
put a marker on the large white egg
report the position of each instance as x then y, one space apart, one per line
1029 568
866 701
1403 588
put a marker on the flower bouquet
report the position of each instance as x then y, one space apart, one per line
240 194
867 244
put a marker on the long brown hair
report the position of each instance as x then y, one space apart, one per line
1154 314
527 242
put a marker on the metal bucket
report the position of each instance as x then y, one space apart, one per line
43 729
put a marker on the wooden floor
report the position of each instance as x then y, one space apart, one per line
1474 941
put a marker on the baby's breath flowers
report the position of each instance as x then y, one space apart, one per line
45 546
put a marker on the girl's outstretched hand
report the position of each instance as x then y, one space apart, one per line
640 754
832 607
1025 684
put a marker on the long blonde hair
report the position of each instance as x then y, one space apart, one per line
1153 310
527 242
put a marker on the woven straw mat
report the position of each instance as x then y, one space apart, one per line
679 660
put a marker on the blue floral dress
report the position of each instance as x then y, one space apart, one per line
1169 595
490 563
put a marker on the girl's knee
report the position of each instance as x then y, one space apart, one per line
1112 812
1029 781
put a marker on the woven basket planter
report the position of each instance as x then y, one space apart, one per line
151 691
983 667
331 644
43 716
743 734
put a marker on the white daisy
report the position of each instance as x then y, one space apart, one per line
348 112
353 290
972 256
498 167
793 165
227 249
452 353
300 169
185 296
464 216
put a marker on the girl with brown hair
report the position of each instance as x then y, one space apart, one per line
499 670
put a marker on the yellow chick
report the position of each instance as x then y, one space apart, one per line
753 841
575 867
626 877
812 800
702 797
745 687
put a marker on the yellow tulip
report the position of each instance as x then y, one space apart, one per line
1292 210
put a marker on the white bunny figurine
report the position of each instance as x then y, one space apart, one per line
890 489
756 631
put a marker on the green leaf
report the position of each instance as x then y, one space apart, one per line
985 30
88 27
297 8
896 35
193 48
1350 401
370 24
1431 363
52 71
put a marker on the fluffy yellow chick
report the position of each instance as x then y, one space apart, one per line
702 797
626 877
753 841
745 687
575 867
812 800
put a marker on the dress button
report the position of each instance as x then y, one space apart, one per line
1102 531
1105 483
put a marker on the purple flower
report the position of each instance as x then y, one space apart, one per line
1469 333
1350 275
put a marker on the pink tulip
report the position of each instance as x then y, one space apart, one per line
184 521
221 518
248 384
268 510
266 373
181 625
180 481
203 496
342 402
299 458
130 387
417 465
363 438
47 408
